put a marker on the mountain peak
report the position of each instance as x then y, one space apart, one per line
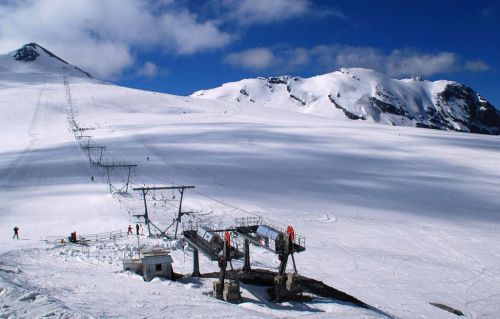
31 51
27 52
32 57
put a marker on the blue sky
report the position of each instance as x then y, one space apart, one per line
183 46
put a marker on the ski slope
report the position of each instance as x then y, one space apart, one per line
396 216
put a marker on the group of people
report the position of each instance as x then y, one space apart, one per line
138 229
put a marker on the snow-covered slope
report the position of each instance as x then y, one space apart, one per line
395 216
361 94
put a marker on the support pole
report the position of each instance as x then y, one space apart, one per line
293 261
90 159
246 266
128 178
179 215
146 216
100 156
109 179
196 263
222 274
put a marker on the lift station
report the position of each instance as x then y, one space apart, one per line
204 238
283 243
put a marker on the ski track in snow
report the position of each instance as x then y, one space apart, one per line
11 172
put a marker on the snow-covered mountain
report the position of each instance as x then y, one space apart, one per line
33 58
366 95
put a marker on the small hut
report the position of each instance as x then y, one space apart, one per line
157 263
154 263
134 265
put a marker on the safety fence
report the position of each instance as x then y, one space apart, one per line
254 221
87 237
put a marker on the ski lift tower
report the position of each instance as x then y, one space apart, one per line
284 243
113 166
180 213
90 148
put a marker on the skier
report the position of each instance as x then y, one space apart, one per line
92 178
16 232
137 229
129 230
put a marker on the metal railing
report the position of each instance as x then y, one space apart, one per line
194 225
247 221
87 237
253 221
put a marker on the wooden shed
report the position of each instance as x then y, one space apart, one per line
134 265
153 263
157 263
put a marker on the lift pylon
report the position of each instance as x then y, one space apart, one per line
180 213
89 148
110 167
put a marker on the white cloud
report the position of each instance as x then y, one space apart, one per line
403 62
265 11
188 36
326 58
298 57
252 59
260 12
149 70
335 56
103 36
476 66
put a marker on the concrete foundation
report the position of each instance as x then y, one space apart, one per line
232 292
286 286
293 284
216 290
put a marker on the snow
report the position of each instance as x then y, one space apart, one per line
397 217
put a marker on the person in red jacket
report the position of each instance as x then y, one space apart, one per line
16 232
129 230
